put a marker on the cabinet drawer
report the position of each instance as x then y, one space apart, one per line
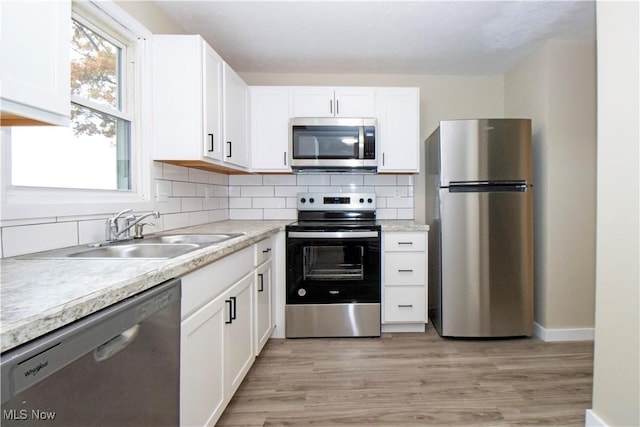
209 281
405 242
263 251
405 268
405 304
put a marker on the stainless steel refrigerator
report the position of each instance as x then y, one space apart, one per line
480 212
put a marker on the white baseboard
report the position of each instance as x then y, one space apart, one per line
551 335
593 420
403 327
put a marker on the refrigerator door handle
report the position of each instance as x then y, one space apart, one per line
488 187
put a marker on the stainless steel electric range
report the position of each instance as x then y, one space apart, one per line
333 267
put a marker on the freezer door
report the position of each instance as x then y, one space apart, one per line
485 150
487 263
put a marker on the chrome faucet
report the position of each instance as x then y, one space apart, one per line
113 231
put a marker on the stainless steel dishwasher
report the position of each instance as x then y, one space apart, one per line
117 367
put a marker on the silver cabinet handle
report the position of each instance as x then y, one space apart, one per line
405 243
405 305
284 157
405 271
337 107
331 106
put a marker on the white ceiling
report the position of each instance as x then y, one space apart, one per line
395 37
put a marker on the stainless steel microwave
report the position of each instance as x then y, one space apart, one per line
332 144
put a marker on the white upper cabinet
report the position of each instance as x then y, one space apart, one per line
398 132
323 101
235 104
269 129
187 84
35 46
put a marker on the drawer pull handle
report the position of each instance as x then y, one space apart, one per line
266 251
405 271
405 243
405 305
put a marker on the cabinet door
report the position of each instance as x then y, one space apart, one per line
236 92
313 101
398 112
212 103
177 108
238 338
269 128
202 396
35 51
355 102
264 318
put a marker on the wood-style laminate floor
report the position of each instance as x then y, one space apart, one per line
415 379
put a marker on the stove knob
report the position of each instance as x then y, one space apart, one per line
369 200
361 200
302 292
311 200
303 200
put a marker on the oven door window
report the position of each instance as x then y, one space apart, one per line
328 271
333 263
326 142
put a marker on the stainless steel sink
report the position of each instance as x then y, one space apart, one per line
152 247
198 239
137 250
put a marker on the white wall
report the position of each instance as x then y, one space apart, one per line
556 88
616 382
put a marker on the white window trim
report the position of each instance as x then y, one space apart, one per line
24 203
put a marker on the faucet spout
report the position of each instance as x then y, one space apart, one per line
133 220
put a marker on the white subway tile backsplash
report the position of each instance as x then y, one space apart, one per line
324 179
245 214
245 179
280 191
193 196
374 180
256 191
198 217
177 220
240 203
405 214
174 173
190 204
400 202
91 231
197 175
386 214
291 214
347 180
271 203
184 189
35 238
279 180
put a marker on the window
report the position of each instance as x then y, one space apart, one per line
96 151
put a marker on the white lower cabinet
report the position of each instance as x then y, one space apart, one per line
238 329
404 283
202 397
227 318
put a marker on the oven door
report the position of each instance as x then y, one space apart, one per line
331 267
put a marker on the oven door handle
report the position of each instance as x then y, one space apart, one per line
332 234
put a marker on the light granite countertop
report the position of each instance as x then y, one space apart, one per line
41 295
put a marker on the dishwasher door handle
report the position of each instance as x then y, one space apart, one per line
114 345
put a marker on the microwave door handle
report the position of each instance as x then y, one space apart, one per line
361 142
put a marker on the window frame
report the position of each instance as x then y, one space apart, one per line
39 202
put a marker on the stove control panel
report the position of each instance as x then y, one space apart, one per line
336 201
